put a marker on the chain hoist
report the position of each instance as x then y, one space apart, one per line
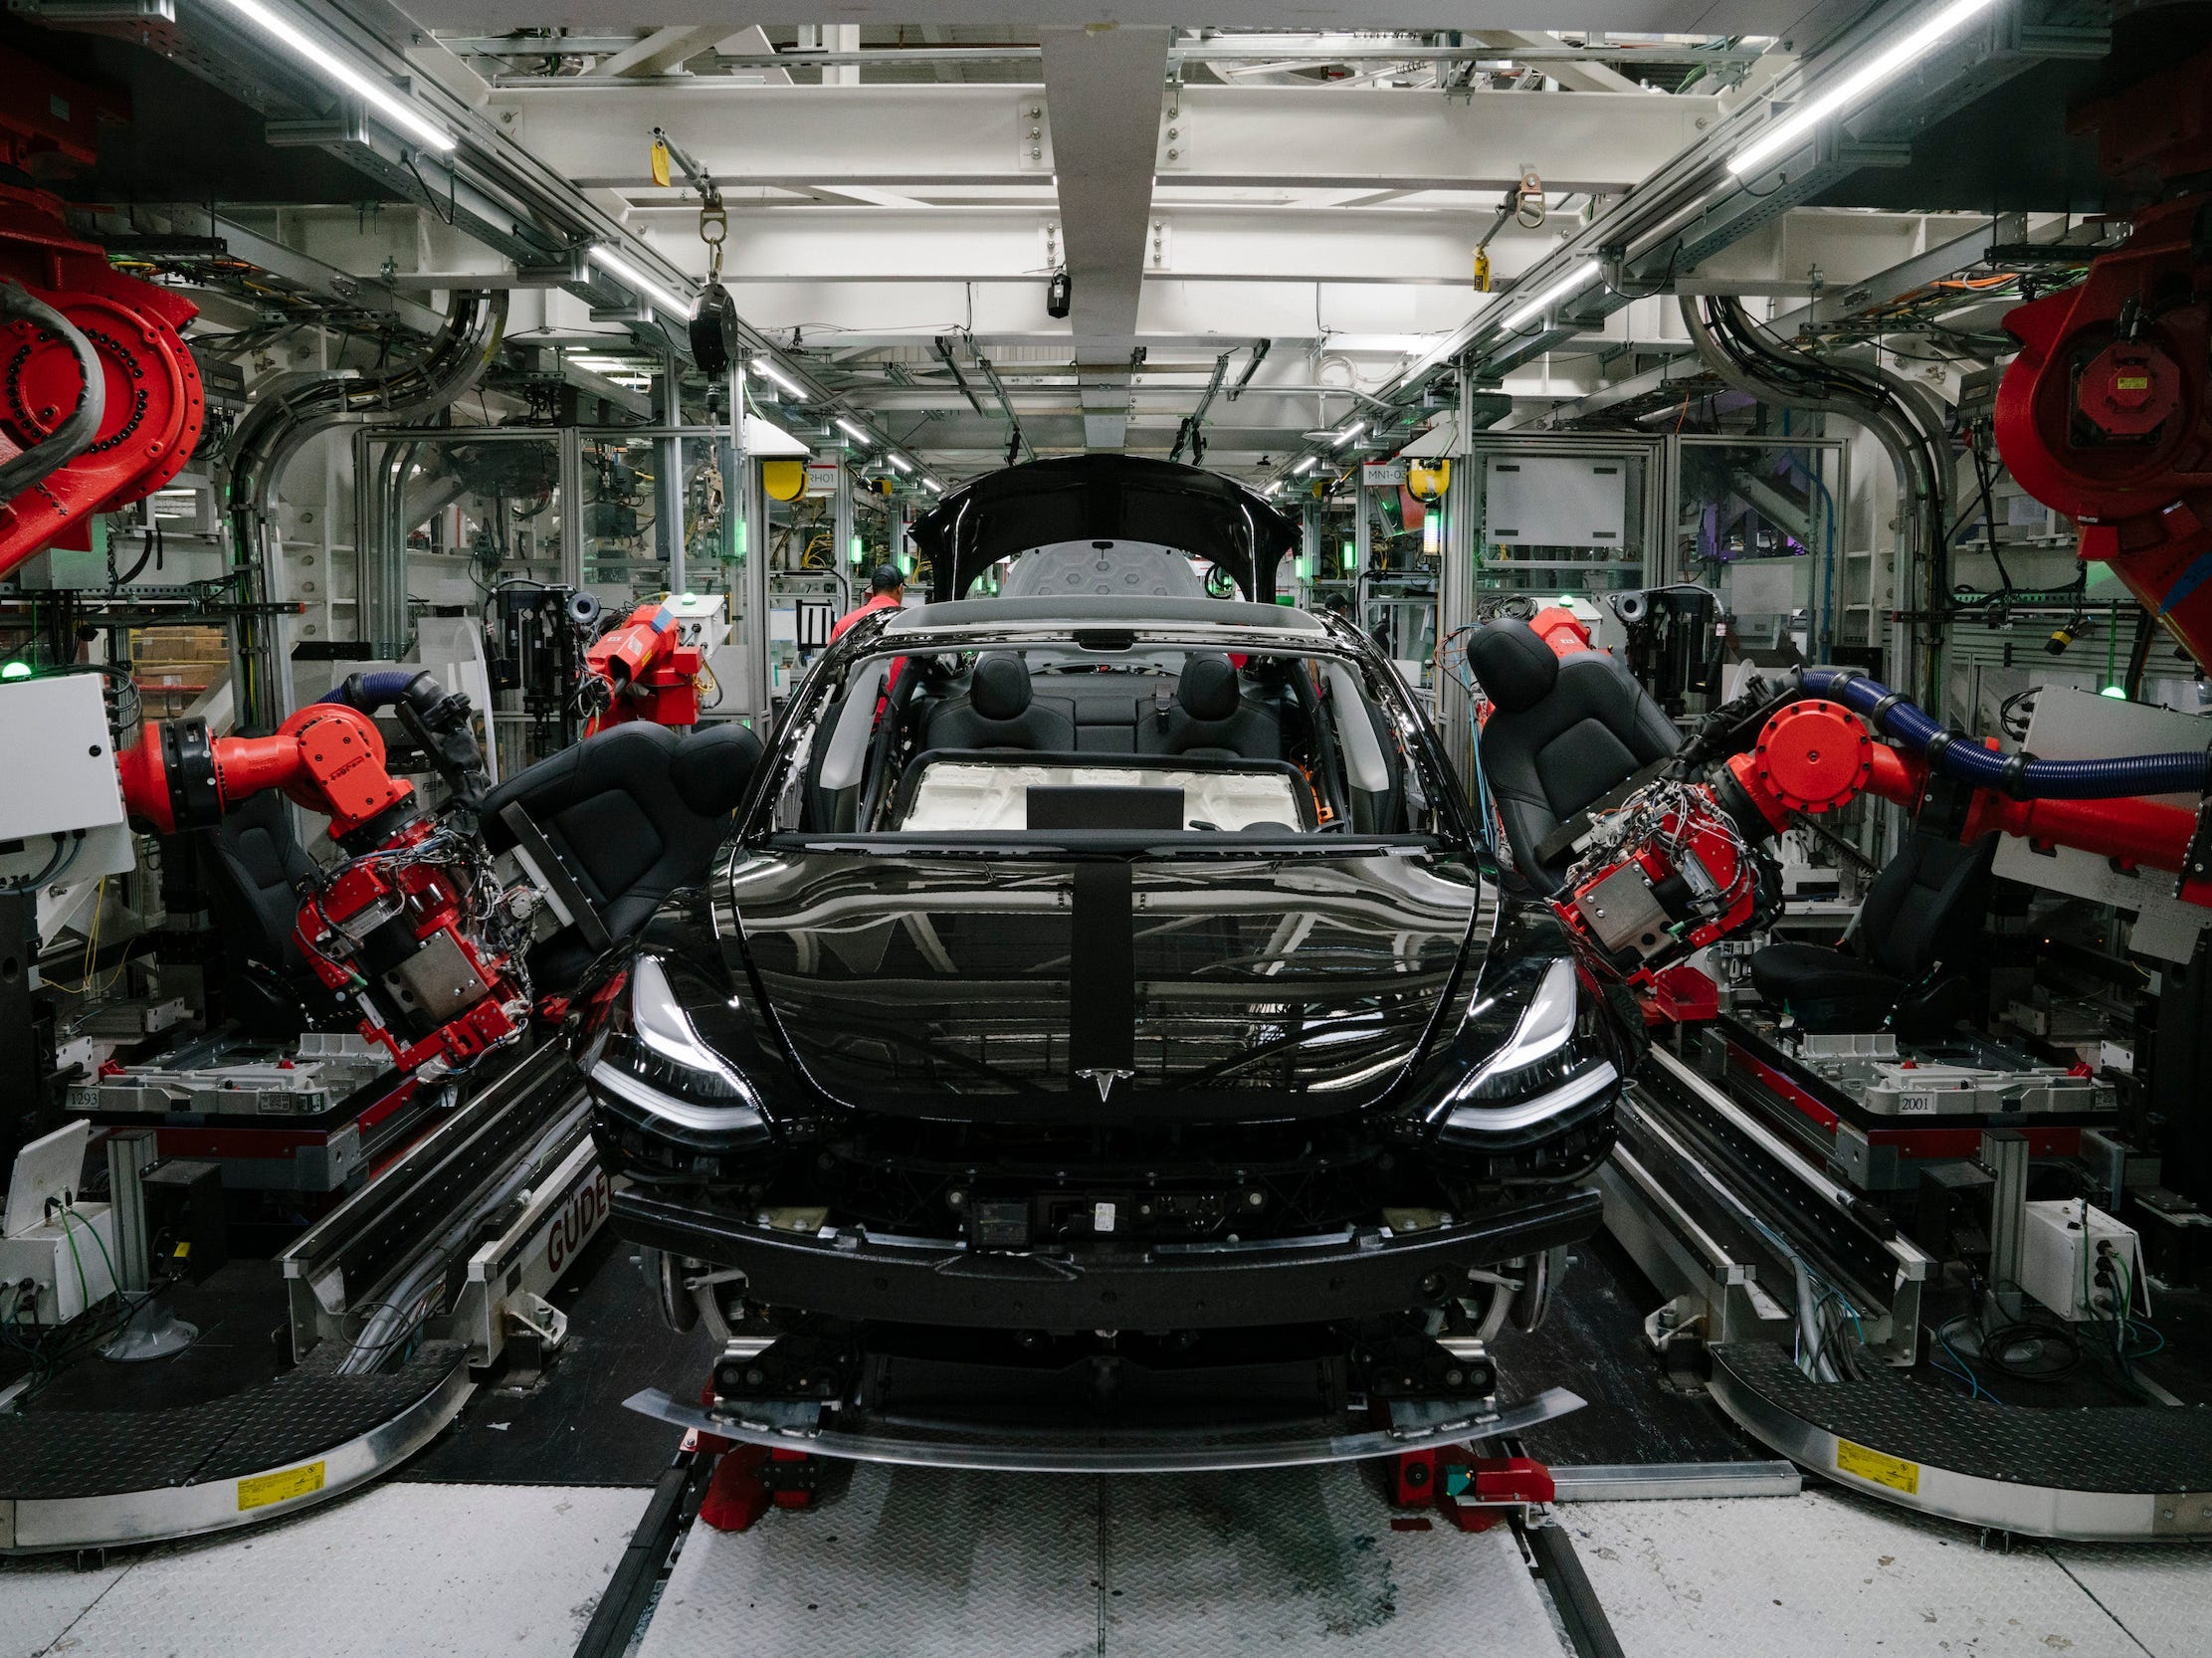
716 344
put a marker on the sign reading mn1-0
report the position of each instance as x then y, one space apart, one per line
1382 474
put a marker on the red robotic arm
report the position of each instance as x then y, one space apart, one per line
406 922
2105 415
327 758
1673 867
154 406
1817 757
641 670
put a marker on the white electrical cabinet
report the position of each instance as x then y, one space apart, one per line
68 1264
62 818
2060 1248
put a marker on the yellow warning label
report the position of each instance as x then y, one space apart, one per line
2133 382
1893 1472
279 1487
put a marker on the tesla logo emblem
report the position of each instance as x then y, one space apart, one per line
1104 1077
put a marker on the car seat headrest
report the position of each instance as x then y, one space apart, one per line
710 767
1516 668
1000 687
1208 688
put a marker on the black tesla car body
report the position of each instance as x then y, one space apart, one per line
1102 966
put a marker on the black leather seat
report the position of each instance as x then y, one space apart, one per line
1211 718
1561 733
632 814
1910 967
998 712
255 873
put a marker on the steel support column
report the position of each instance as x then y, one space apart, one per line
1455 589
841 517
668 469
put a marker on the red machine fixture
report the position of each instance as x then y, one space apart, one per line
2105 415
1672 868
412 923
155 406
1793 769
1674 874
641 668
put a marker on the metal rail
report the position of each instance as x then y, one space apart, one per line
381 1247
1079 1451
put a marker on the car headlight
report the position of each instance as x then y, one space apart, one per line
1538 1069
668 1071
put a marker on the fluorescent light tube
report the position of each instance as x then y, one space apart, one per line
1349 433
1780 136
900 463
400 111
768 366
859 434
1303 466
642 285
932 486
1573 283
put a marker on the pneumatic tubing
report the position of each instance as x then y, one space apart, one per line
1967 761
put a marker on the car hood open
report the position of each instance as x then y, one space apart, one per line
1108 989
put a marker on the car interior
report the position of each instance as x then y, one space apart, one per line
1268 743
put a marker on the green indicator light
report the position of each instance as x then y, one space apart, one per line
16 671
2108 690
1350 555
860 550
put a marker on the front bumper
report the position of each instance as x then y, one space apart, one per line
852 1275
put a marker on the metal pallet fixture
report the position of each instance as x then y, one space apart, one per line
502 1198
1714 1195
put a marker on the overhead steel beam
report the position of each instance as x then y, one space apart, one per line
1007 245
929 134
1104 91
1692 206
1497 46
491 187
663 50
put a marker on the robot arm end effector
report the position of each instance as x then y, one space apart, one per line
1679 858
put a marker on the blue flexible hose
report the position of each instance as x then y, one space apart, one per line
385 685
1970 762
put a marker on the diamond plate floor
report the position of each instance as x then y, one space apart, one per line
41 1599
429 1571
2160 1594
1832 1575
929 1563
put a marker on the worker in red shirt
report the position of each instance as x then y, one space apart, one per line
886 590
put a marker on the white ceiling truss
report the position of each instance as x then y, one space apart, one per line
1281 227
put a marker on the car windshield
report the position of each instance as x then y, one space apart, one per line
1041 734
